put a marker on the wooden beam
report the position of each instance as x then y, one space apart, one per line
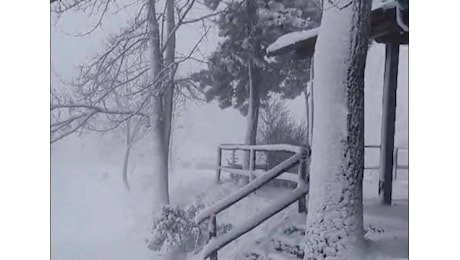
388 121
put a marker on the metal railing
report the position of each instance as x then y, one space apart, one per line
396 165
299 157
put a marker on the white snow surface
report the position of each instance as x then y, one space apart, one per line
254 220
93 218
292 38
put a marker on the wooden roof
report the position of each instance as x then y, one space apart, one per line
384 29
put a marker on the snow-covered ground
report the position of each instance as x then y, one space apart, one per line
93 217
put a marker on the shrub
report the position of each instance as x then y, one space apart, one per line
278 127
175 230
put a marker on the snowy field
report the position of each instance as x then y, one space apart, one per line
94 218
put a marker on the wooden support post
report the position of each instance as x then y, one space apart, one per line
302 171
388 121
212 228
219 164
252 164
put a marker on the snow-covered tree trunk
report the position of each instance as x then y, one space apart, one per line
253 83
335 212
169 60
253 113
160 155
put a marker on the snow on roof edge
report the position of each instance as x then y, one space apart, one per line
291 39
384 4
298 36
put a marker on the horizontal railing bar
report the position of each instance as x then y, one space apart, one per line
265 147
288 176
372 146
372 168
402 167
236 171
218 243
378 146
249 188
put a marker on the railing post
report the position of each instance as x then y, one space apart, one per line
302 171
219 164
212 228
252 163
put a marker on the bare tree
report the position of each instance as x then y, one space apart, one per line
138 64
277 126
134 130
335 211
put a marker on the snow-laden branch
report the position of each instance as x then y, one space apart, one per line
97 109
67 127
99 7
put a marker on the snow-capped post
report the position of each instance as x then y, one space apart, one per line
219 164
334 227
390 83
212 234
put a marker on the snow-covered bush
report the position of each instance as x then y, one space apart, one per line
174 230
277 126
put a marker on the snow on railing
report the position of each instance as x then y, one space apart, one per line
219 242
287 176
259 179
252 149
249 188
265 147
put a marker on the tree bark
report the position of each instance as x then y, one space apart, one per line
168 96
253 114
335 221
253 85
160 158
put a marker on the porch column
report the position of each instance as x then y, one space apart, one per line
388 121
